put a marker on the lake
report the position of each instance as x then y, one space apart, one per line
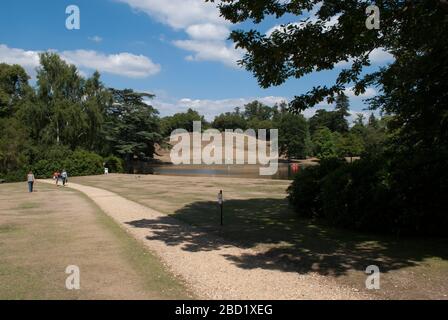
286 171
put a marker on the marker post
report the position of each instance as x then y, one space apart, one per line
221 204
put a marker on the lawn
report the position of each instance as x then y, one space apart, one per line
44 232
257 215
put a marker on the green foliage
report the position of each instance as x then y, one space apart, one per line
84 163
304 193
77 163
413 88
49 160
325 143
114 164
259 111
356 196
13 88
366 196
182 121
230 121
132 126
14 144
294 136
350 145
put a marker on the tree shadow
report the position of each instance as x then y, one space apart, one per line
284 242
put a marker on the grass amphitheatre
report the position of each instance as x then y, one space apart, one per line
113 193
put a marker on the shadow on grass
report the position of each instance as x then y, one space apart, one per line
285 242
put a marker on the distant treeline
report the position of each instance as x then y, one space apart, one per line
327 134
68 121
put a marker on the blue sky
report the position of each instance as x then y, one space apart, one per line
176 49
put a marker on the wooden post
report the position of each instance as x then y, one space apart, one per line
221 205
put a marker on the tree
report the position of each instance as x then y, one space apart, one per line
413 86
340 123
230 121
14 143
322 118
351 145
325 143
294 136
182 120
257 111
132 126
333 120
295 50
96 99
14 88
59 116
373 122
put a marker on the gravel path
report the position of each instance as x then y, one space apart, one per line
209 271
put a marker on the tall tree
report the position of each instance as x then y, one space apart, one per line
294 136
182 120
132 126
60 112
342 111
14 88
230 121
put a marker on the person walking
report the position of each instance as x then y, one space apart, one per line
30 179
56 177
64 176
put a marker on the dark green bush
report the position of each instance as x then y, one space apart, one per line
14 176
114 164
356 196
49 160
375 195
84 163
349 195
77 163
304 193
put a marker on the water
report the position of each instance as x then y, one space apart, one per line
285 171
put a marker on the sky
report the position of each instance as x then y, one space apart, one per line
176 49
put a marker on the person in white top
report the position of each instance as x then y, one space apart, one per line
64 176
30 179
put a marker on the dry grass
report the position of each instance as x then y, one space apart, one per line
44 232
257 216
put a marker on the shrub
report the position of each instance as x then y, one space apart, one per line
356 196
84 163
114 164
14 176
77 163
49 160
304 193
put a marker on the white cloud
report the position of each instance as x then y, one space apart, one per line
178 14
208 108
29 60
210 51
96 39
122 64
201 21
380 55
370 93
208 31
